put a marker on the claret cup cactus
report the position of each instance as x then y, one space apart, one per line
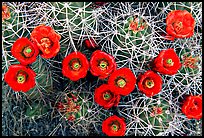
101 68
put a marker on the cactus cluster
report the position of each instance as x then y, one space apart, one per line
134 34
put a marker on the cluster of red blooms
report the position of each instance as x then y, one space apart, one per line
70 107
120 81
44 41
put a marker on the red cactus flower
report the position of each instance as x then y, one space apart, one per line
133 26
47 40
75 66
24 51
167 62
5 12
104 97
122 81
20 78
192 107
156 111
180 24
60 106
90 43
136 24
190 61
149 83
114 126
102 64
70 117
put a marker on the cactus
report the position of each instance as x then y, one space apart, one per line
133 33
150 114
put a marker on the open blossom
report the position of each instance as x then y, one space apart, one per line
20 78
24 51
102 64
180 24
122 81
149 83
192 107
114 126
104 97
75 66
167 62
47 40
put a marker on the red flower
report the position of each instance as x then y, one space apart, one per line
60 106
114 126
47 40
102 64
75 66
190 61
149 83
24 51
5 12
156 111
90 43
180 24
137 25
104 97
20 78
122 81
167 62
192 107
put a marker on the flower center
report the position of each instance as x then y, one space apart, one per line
195 105
170 62
76 65
178 26
21 78
106 96
149 83
121 83
115 127
28 52
46 43
103 65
